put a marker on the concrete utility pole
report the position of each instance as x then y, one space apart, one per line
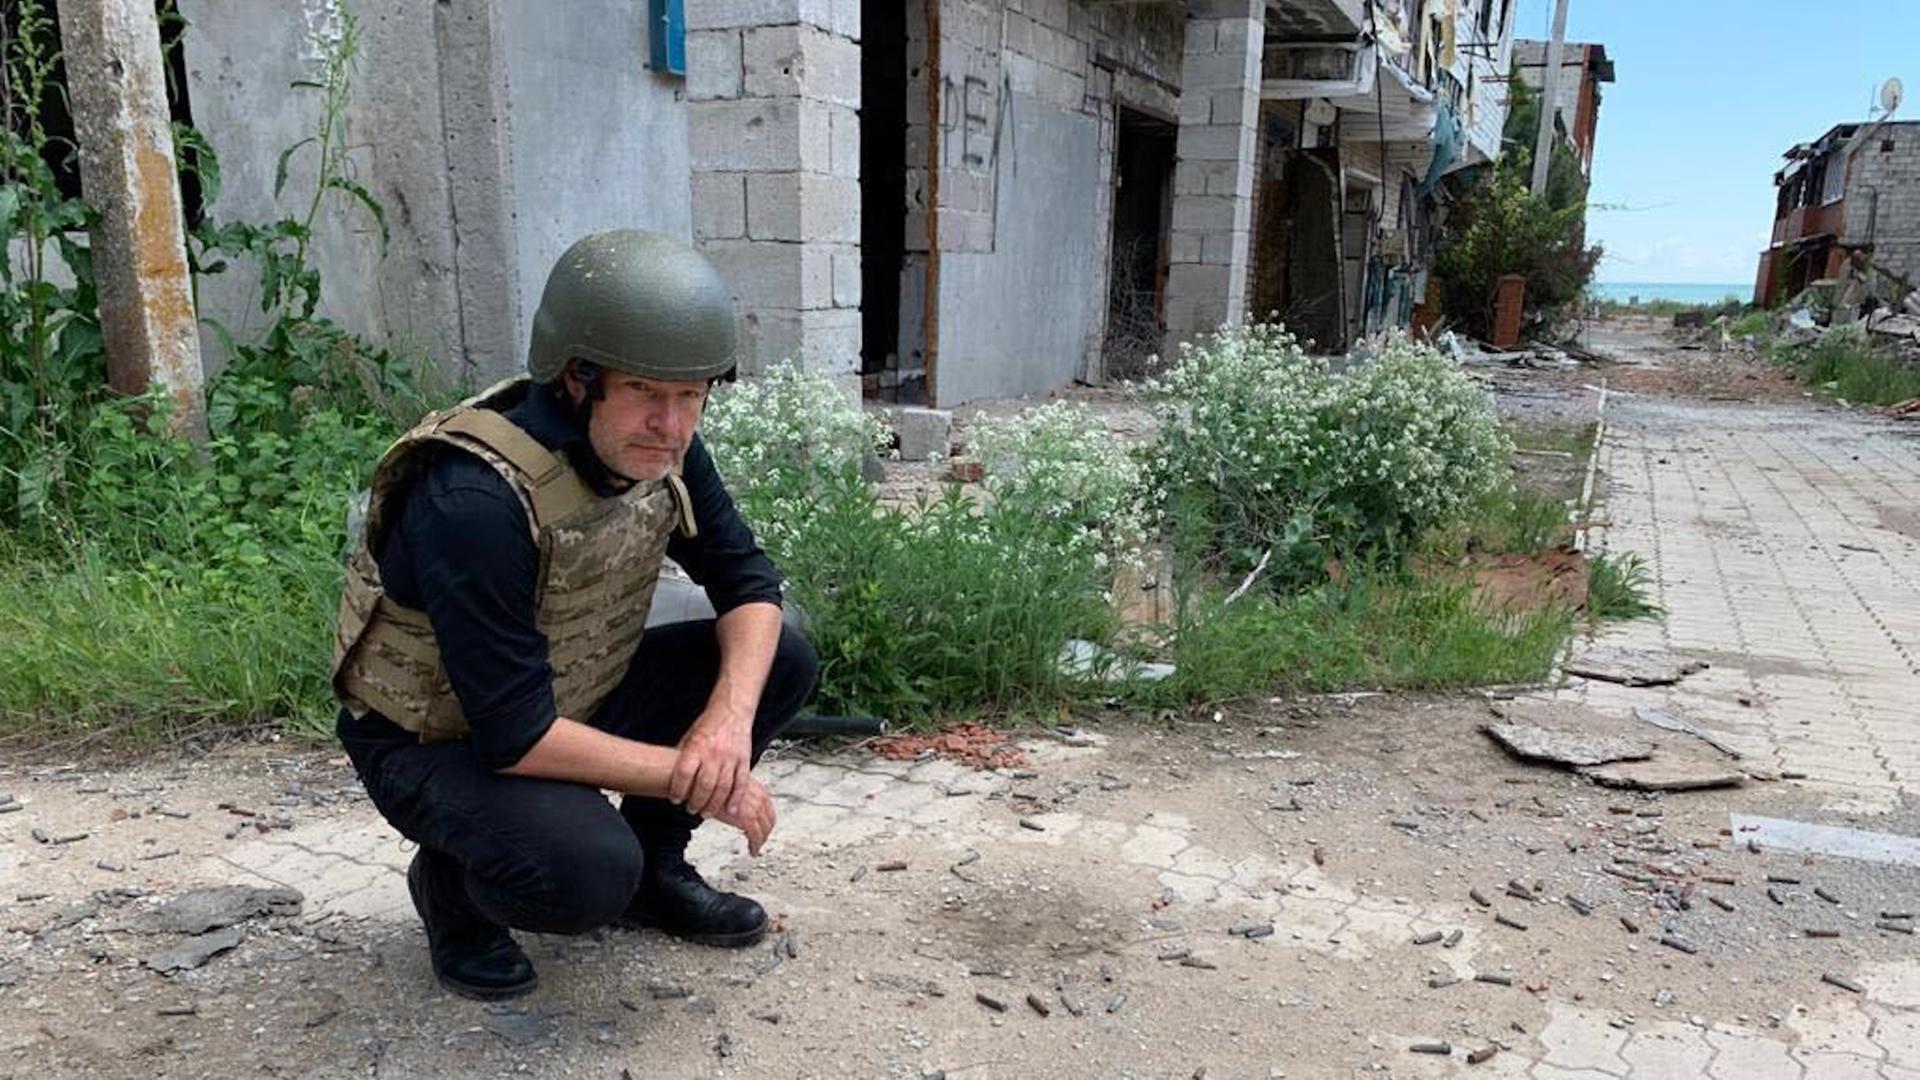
120 117
1549 102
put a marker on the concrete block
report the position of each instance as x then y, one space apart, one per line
749 135
719 206
801 206
1203 213
816 135
845 19
844 126
1215 142
738 14
925 434
1233 178
1218 71
1202 35
830 342
1185 247
1198 281
1196 108
846 278
770 274
1190 177
774 207
1222 248
713 65
1239 105
1238 35
802 61
1018 34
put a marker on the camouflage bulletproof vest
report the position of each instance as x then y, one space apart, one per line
599 562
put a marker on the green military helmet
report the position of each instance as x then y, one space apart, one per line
637 302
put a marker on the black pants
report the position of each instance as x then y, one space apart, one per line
555 857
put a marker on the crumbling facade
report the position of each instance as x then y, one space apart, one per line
1363 117
1848 206
931 201
1584 69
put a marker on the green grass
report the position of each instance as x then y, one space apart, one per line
1618 588
1752 324
1372 633
1846 366
1531 517
86 644
1522 521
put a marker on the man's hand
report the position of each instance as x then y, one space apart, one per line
711 774
755 816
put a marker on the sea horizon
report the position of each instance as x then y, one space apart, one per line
1685 292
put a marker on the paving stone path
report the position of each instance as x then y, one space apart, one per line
1784 547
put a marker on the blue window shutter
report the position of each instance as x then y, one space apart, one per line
667 36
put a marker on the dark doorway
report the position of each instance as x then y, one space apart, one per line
883 198
1142 211
62 152
1299 274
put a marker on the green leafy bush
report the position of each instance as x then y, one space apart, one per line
1498 228
1060 462
1280 454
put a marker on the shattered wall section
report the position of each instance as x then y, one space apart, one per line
1883 198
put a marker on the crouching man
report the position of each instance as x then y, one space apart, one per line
490 654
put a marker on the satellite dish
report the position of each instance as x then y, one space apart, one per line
1890 94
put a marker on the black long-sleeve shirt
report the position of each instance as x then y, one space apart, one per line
460 550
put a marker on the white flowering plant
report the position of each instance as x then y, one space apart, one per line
1275 455
1061 463
948 606
788 430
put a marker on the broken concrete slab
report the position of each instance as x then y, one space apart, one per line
1629 667
1666 721
195 951
1861 844
219 906
1564 747
1665 774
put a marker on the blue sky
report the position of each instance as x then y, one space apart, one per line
1708 95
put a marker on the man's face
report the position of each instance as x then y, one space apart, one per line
642 427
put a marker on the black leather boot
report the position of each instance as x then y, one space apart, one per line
676 900
472 955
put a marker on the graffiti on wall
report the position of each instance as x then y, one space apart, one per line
972 110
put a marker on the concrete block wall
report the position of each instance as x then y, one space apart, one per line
1002 64
773 139
1213 185
1883 194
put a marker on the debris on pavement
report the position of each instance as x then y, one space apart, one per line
195 951
1566 748
1664 774
217 907
1632 668
1668 722
968 743
1843 983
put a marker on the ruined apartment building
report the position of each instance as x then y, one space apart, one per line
933 200
1848 205
1584 69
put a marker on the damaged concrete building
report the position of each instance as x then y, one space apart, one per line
1848 205
934 201
1584 69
